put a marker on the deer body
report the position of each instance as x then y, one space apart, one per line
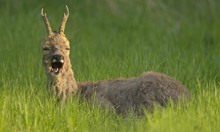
122 94
125 94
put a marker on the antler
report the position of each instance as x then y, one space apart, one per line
63 24
46 22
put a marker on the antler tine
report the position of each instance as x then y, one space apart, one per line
65 17
46 22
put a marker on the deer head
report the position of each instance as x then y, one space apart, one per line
55 48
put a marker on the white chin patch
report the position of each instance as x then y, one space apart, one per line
52 74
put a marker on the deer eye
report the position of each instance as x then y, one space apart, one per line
45 49
67 48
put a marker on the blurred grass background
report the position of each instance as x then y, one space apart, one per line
162 36
110 39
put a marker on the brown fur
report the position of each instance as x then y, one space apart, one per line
122 94
127 94
65 83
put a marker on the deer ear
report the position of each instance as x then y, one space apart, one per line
63 23
46 22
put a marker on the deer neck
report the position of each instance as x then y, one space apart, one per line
63 85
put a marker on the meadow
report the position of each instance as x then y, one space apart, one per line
111 39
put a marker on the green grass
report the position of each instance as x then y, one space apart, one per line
110 39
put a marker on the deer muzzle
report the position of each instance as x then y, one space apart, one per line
57 64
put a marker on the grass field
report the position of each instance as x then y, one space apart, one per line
110 39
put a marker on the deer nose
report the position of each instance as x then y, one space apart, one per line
57 57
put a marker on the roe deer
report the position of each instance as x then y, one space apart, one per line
123 94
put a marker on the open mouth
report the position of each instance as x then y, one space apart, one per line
57 66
